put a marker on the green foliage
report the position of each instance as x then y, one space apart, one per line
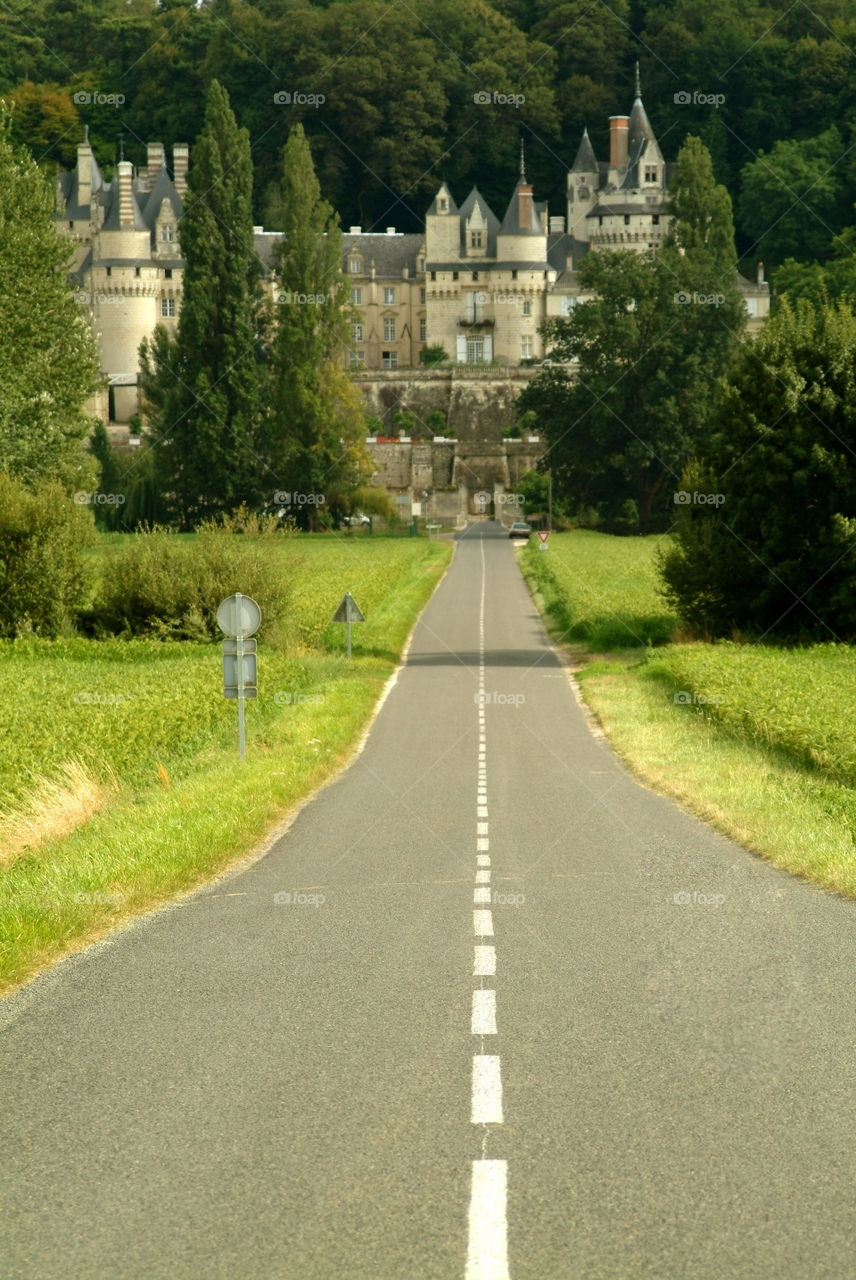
435 421
315 427
48 359
600 589
777 556
433 355
44 579
168 587
202 390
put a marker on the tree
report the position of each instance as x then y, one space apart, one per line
202 390
776 554
315 426
48 356
793 202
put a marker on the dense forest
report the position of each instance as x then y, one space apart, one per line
387 95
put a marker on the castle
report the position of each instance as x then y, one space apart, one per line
475 285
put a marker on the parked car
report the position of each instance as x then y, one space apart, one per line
520 529
357 520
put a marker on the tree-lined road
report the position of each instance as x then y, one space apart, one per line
489 1008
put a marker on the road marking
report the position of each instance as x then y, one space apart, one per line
484 1013
481 828
484 962
486 1105
483 924
487 1248
482 845
482 877
483 859
481 897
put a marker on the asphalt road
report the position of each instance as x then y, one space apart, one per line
480 1039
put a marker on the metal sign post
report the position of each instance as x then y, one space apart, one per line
239 617
348 612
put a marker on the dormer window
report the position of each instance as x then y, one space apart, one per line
355 266
650 173
475 240
442 204
167 232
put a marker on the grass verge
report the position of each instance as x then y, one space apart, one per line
153 841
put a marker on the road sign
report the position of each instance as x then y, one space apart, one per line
348 612
239 616
543 535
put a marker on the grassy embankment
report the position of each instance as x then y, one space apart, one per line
755 739
122 784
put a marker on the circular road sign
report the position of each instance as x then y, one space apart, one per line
239 616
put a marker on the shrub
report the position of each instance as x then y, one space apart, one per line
432 355
44 577
168 585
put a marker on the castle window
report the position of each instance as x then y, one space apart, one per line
514 275
355 266
109 271
167 232
475 275
167 274
357 297
357 357
389 329
650 173
423 329
389 359
475 239
137 272
167 306
443 205
454 275
422 296
433 275
627 219
357 332
655 219
526 348
527 308
389 297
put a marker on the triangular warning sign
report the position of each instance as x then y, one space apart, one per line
348 610
543 534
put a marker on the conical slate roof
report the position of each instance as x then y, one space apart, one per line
585 161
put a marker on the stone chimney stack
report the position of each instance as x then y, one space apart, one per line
84 171
155 160
180 161
760 273
126 198
618 137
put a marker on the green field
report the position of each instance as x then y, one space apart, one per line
600 590
756 739
121 785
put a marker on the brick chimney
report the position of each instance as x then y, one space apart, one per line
524 207
180 161
126 199
618 135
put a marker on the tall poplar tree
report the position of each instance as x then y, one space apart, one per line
202 390
48 355
315 426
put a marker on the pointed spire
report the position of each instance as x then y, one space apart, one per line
86 133
522 163
585 161
638 83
